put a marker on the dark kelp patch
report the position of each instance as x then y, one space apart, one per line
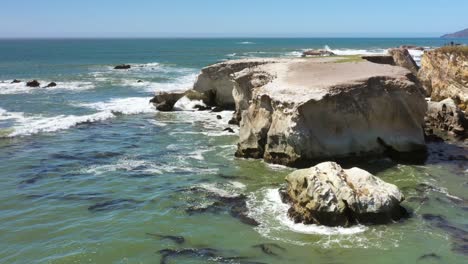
176 239
207 255
117 204
270 248
458 235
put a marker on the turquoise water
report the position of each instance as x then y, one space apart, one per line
88 168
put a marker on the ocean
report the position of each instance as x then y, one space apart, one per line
90 172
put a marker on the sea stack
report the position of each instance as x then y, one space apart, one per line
296 112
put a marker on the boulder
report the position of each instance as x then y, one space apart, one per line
52 84
33 83
122 67
301 111
329 195
444 119
402 58
165 101
15 81
444 74
317 52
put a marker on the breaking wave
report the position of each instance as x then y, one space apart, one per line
346 52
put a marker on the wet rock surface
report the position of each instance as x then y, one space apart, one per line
445 120
328 195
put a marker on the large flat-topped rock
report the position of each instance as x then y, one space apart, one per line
306 79
297 111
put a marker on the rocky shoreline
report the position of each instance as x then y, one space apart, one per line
299 112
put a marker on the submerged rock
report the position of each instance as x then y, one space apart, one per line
15 81
122 67
329 195
446 120
177 239
52 84
33 83
444 74
165 101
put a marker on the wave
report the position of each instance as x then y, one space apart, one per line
271 207
346 52
6 87
24 125
185 104
126 106
246 43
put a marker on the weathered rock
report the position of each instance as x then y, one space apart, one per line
52 84
165 101
139 81
446 120
402 58
219 117
122 67
217 81
328 195
33 83
315 109
15 81
444 74
228 129
317 52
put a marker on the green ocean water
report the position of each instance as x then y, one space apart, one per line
90 172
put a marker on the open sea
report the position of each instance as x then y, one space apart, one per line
90 172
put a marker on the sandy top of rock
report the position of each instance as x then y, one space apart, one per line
300 80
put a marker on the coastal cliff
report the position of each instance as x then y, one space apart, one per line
298 111
444 74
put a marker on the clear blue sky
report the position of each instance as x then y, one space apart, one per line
202 18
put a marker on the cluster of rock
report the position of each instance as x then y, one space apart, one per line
298 112
444 76
327 194
35 83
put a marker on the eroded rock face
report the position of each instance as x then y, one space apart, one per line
315 111
165 101
445 119
218 81
402 58
444 74
329 195
317 52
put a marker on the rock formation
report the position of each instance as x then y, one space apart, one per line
33 83
398 57
403 58
165 101
15 81
444 74
328 195
122 67
52 84
298 111
444 119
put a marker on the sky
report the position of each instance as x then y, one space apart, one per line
226 18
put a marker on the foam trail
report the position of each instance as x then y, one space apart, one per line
6 87
127 106
185 104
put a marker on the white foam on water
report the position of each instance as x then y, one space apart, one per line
295 54
345 52
37 124
272 207
127 106
6 87
224 190
124 164
245 43
34 124
417 55
185 104
198 154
